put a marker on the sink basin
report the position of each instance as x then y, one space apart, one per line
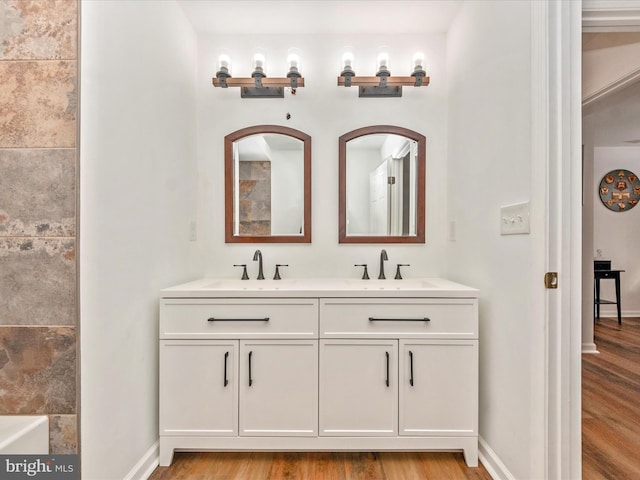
391 284
251 285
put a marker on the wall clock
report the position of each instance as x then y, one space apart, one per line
619 190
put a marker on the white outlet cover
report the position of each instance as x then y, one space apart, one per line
514 219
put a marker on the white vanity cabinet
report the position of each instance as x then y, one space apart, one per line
419 377
278 387
358 387
319 366
438 385
236 368
198 387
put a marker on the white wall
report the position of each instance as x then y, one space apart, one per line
287 191
325 112
616 234
362 162
490 165
138 182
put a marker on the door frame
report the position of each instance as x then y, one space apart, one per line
557 224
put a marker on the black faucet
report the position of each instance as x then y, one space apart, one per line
383 257
258 256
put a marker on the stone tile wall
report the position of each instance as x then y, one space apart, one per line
38 236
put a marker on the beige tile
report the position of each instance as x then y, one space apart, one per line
38 370
37 281
38 104
38 29
37 192
63 434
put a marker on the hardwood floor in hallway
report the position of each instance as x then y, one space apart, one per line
319 466
611 402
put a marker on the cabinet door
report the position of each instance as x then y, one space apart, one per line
358 387
279 388
198 387
439 387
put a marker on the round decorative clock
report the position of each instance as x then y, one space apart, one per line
619 190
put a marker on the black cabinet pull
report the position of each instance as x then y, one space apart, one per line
387 354
423 319
226 356
250 379
411 367
213 319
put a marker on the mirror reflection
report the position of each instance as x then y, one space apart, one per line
267 185
382 186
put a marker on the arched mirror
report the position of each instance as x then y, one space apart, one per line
267 185
382 185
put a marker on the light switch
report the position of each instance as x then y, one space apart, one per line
514 219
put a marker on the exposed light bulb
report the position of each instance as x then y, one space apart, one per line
418 59
224 61
383 60
293 60
258 60
347 59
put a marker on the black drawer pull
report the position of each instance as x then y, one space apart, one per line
250 379
411 367
213 319
226 356
387 381
424 319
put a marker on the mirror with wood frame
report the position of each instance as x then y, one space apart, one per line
267 185
382 185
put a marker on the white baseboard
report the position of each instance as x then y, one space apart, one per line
589 348
146 465
492 463
613 313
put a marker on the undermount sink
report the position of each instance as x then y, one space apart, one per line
391 284
257 285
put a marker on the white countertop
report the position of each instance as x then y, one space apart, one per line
319 287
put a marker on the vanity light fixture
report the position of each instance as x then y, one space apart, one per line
259 85
383 84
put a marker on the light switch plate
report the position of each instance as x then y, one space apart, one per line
514 219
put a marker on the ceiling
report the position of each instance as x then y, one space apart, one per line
617 116
320 16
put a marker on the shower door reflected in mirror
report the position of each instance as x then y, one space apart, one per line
382 170
267 185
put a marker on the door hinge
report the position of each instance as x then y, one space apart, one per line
551 279
391 180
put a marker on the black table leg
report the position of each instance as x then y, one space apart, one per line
597 298
618 299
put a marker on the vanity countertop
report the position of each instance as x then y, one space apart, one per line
320 287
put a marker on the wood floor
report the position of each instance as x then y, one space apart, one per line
611 402
319 466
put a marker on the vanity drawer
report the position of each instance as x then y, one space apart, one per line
399 318
238 318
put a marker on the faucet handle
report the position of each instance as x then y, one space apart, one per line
398 275
365 274
277 275
244 271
